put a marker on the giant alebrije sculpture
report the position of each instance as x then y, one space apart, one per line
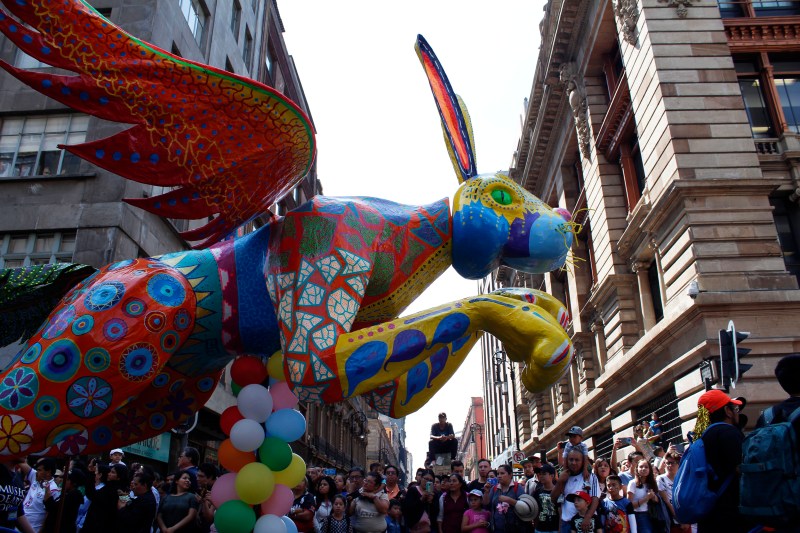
138 346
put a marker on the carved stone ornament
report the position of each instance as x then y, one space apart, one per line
627 13
576 94
682 6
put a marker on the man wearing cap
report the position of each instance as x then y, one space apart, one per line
116 456
577 478
723 443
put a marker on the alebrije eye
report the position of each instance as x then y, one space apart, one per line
501 196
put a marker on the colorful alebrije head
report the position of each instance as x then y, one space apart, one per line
495 221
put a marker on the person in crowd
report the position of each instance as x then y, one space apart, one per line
376 467
394 518
476 518
115 457
137 515
723 444
12 487
457 467
392 486
483 470
341 484
788 373
178 511
582 501
440 484
574 442
442 440
642 490
421 507
633 459
665 483
187 462
103 496
452 505
642 440
576 477
34 499
207 474
502 498
370 508
355 480
337 521
303 509
547 521
326 490
658 459
618 515
491 475
529 468
313 473
62 516
602 469
26 472
418 475
655 427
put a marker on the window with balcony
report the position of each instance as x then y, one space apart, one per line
21 249
770 85
195 15
29 145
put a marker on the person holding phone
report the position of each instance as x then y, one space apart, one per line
421 506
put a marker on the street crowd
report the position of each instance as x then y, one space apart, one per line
573 494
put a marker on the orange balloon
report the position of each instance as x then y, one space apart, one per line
233 459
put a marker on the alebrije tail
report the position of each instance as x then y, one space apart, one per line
29 294
231 146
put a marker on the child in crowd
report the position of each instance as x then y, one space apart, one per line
574 441
337 521
547 521
394 518
582 501
476 518
617 509
655 427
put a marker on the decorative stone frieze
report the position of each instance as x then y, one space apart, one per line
682 6
627 13
576 95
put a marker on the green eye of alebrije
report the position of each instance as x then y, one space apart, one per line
501 196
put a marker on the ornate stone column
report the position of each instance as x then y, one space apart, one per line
645 298
582 341
576 94
600 343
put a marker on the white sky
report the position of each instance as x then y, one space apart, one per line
378 131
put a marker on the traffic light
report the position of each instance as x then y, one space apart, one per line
730 354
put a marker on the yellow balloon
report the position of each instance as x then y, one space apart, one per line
255 483
293 474
275 366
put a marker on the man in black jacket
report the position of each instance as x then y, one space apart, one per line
137 514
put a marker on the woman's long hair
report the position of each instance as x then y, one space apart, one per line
649 480
331 490
122 482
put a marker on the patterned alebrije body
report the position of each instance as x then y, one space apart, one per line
231 144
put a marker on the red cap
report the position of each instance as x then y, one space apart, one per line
715 399
580 494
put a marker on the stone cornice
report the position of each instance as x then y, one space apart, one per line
763 33
620 111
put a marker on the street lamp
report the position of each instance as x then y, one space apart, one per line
499 365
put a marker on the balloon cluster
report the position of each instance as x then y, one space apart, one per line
262 467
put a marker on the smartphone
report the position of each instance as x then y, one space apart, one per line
493 481
124 498
680 447
429 486
625 440
330 472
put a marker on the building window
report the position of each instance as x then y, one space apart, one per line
770 85
29 145
236 19
195 16
247 49
786 71
21 250
632 166
655 291
751 84
666 408
269 62
787 222
758 8
228 65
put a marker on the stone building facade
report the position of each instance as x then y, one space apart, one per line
671 131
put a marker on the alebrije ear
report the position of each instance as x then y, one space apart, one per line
456 125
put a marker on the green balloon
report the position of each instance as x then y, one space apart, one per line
235 389
235 516
275 453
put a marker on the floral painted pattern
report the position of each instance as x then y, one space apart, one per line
15 435
19 388
89 397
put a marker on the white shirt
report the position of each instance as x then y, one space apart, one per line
34 503
640 494
665 484
575 484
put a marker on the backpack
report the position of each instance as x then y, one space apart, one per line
691 497
771 472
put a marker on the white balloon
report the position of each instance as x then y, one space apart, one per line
269 523
255 402
247 435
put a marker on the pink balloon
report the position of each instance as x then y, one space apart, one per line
282 396
279 503
224 490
